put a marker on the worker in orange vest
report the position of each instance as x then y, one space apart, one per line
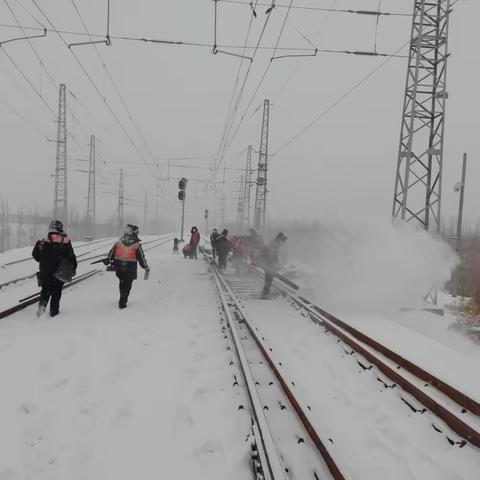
125 255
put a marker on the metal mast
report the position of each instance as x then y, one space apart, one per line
247 189
261 192
418 183
120 202
91 198
60 194
240 205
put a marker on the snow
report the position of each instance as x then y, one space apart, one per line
148 392
424 339
141 393
374 434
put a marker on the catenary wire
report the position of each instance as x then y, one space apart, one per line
323 9
49 75
194 44
239 97
94 85
262 79
229 111
115 86
338 101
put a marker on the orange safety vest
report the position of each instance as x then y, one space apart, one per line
126 253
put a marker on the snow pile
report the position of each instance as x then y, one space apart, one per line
369 266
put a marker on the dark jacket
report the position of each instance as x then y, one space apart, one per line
50 251
125 255
222 245
213 238
270 255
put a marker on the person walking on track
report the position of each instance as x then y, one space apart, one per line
57 265
223 246
268 260
213 238
125 255
194 241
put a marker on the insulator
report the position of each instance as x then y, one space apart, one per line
368 12
368 54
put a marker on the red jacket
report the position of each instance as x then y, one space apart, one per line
195 238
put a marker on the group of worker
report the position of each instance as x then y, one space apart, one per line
58 263
248 249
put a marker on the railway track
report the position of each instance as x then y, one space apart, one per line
426 392
79 259
285 444
86 244
459 411
34 298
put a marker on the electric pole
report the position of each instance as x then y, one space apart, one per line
222 210
60 194
418 182
261 192
240 205
247 189
120 202
460 206
182 195
91 198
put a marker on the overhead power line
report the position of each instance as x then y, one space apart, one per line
49 75
189 44
230 110
339 100
115 86
24 119
262 79
324 9
99 92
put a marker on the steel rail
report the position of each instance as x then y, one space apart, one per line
352 337
32 299
296 404
14 262
275 469
28 277
454 394
453 421
9 282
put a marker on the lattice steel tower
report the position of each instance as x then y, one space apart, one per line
60 211
120 202
247 189
91 198
261 192
418 183
240 205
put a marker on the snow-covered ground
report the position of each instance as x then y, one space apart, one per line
374 435
141 393
149 392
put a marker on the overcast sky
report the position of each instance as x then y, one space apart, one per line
179 95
